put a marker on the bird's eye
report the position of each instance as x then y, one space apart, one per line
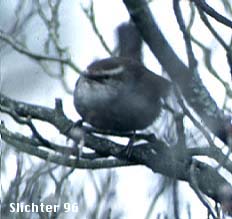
101 79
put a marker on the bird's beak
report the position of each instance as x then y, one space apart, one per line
87 74
84 73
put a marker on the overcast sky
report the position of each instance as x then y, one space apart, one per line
76 33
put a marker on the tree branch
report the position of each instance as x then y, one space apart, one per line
156 155
211 12
192 62
18 47
190 83
30 146
90 14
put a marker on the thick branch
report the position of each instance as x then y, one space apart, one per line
155 155
27 145
190 83
214 153
53 116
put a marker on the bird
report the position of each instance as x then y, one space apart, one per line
119 94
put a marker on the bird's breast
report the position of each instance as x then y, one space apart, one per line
114 106
90 92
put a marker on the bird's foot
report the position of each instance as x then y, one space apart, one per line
78 123
129 147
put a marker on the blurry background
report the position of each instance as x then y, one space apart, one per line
63 29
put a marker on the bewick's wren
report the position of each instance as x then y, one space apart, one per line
119 94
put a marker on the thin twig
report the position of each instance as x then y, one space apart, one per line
218 37
195 122
161 190
90 14
213 13
191 58
207 53
16 141
194 185
18 47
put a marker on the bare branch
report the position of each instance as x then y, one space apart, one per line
210 11
191 58
90 14
155 155
217 36
195 187
190 83
18 47
18 141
